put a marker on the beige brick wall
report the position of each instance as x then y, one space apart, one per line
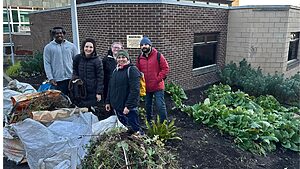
261 36
293 26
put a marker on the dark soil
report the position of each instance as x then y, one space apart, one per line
204 147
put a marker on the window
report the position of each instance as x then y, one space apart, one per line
24 16
5 28
294 44
204 49
19 21
5 19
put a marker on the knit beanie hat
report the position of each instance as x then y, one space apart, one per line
146 41
123 52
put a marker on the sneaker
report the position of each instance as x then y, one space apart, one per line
140 133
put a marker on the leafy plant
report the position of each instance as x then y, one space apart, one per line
176 92
254 82
14 70
165 131
257 124
33 66
142 113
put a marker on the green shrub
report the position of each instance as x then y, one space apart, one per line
254 82
33 66
257 124
14 70
165 131
177 93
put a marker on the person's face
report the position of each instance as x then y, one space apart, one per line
145 48
88 48
115 48
122 60
59 36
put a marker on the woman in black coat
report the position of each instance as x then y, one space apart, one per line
87 66
124 92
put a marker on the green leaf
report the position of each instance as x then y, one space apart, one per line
278 134
205 121
271 138
296 138
295 147
254 125
286 145
207 101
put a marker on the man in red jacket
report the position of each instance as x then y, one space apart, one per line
155 69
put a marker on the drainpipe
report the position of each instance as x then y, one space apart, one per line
10 39
75 25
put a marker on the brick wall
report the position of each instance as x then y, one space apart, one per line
22 42
261 36
213 1
170 27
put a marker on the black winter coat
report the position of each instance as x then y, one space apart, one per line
109 65
90 70
124 91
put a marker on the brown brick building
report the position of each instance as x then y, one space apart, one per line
182 31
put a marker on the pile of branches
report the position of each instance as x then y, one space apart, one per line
118 149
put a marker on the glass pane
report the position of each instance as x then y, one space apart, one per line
204 55
293 50
211 37
5 19
5 28
199 38
24 16
16 28
15 16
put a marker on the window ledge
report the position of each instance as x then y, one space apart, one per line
18 33
204 70
291 64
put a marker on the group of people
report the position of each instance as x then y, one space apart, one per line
113 79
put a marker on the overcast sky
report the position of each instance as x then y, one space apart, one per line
270 2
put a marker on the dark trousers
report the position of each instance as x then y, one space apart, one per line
63 86
129 120
160 104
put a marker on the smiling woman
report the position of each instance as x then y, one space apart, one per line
87 67
88 49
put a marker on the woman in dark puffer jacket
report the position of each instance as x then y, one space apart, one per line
124 92
87 66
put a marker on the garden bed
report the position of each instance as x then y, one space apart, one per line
204 147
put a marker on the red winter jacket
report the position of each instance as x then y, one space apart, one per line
153 72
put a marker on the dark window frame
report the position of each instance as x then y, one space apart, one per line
209 44
293 46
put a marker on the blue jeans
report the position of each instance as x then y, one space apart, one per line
160 104
129 120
